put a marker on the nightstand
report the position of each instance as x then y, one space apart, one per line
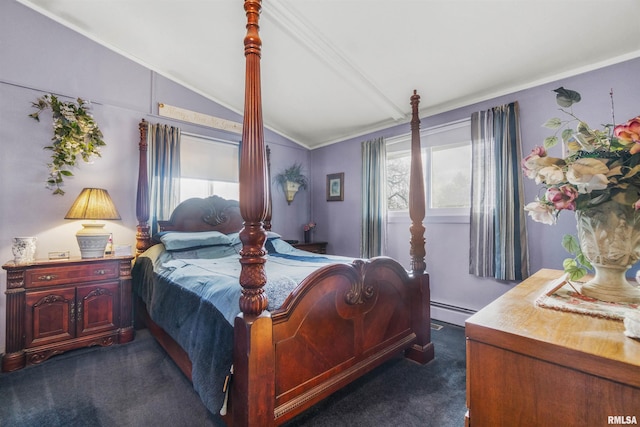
55 306
316 247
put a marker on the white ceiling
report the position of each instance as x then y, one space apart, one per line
334 69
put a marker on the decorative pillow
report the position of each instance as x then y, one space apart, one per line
179 241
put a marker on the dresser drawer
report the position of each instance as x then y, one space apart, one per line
61 275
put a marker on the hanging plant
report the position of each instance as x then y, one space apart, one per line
291 180
75 133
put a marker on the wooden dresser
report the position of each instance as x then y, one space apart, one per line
316 247
532 366
55 306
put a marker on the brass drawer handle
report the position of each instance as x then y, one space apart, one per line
48 277
100 272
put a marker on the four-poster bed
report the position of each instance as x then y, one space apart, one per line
340 319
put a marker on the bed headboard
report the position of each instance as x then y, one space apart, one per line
210 214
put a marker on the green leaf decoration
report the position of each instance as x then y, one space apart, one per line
570 244
553 123
567 134
566 97
569 263
582 259
550 141
75 134
576 274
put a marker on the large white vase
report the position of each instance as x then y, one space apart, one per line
609 237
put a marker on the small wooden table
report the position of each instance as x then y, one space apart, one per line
316 247
533 366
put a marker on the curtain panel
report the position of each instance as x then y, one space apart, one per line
498 236
374 198
163 143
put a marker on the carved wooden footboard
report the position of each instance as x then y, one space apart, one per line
342 322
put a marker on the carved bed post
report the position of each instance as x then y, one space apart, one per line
422 350
142 198
416 193
253 390
253 176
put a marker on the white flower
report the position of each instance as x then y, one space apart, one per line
550 175
588 174
541 212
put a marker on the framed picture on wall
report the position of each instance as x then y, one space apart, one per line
335 187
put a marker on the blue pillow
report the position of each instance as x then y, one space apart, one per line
209 252
178 240
235 237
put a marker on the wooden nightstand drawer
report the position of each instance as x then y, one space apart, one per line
51 276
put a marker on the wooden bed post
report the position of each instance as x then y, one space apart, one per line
253 175
252 398
422 350
142 198
416 193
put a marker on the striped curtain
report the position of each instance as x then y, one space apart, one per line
374 199
163 143
498 246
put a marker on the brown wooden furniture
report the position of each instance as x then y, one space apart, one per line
315 247
55 306
287 360
533 366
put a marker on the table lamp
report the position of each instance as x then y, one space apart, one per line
94 204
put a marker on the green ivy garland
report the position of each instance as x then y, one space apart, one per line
75 133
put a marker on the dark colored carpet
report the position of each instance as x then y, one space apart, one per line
138 385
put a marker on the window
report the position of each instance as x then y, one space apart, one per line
208 167
446 157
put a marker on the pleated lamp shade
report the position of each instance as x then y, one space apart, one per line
93 204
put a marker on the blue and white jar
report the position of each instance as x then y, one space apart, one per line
24 249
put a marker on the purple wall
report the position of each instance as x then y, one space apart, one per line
447 244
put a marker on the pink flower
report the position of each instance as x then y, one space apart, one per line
309 226
629 133
536 166
562 197
636 205
530 164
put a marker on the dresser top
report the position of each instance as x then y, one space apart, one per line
11 265
514 322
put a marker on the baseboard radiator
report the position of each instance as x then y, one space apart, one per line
449 313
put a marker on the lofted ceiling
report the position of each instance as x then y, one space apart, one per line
335 69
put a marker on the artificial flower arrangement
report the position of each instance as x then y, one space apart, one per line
75 134
599 165
310 226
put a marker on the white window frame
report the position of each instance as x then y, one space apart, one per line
429 140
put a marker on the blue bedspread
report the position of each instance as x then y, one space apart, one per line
195 300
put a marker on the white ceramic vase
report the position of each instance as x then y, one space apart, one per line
609 237
24 249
